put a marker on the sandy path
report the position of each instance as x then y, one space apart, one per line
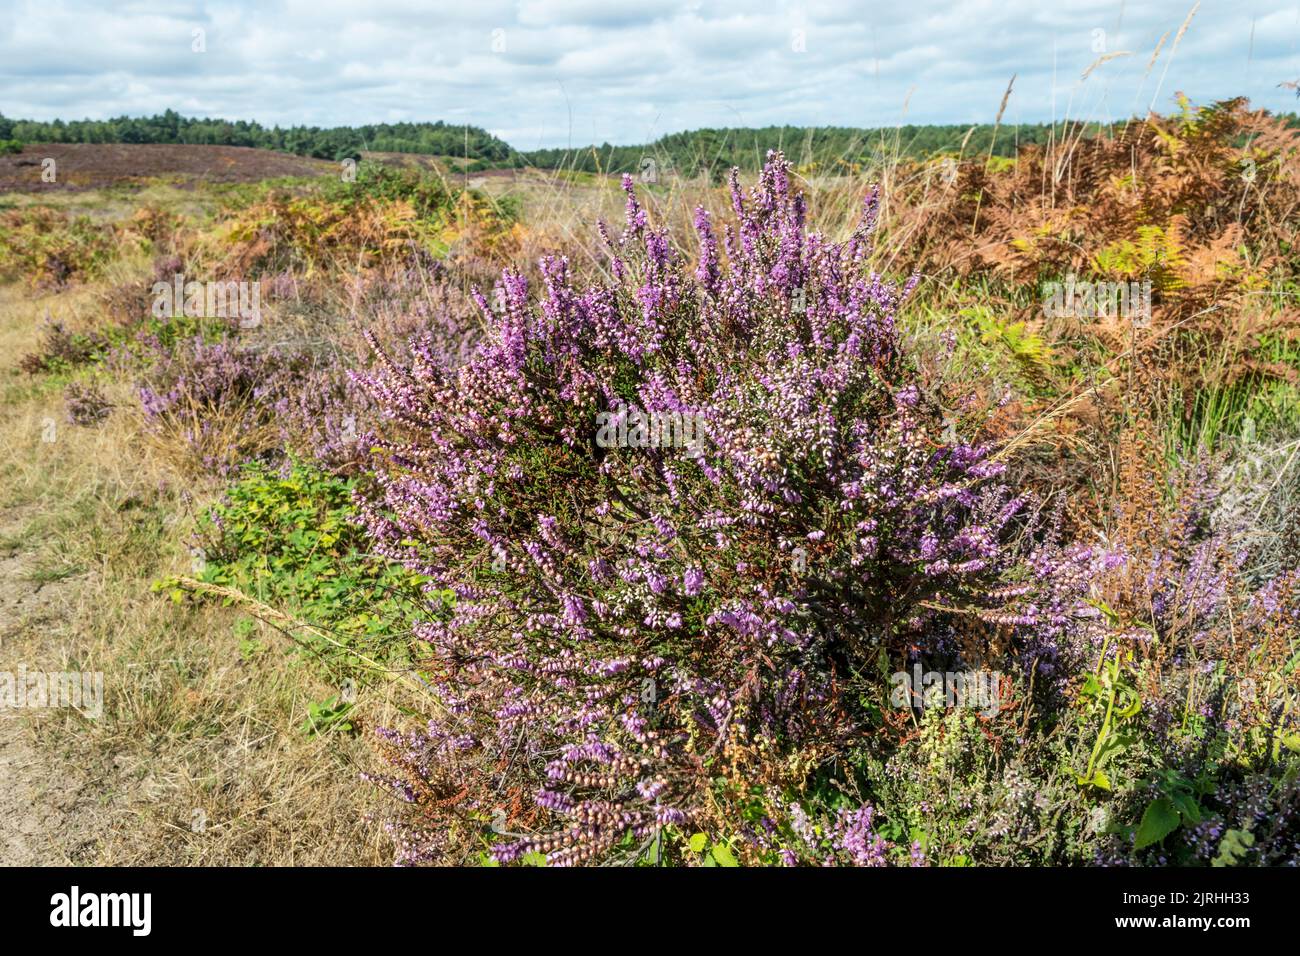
39 793
37 799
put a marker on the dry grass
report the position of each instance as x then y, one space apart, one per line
198 757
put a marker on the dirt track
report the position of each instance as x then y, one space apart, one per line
40 793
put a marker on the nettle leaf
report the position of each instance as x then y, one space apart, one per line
1160 819
723 856
1188 808
1114 745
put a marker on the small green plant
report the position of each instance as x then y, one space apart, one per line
1032 355
1178 805
249 646
427 194
720 855
1110 684
289 540
328 716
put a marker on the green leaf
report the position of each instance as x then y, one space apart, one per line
1159 820
1233 847
654 853
1098 779
1131 709
1105 609
1188 808
698 842
723 855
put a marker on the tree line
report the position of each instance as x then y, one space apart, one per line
703 151
829 148
334 143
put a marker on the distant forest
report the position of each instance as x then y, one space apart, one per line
715 150
710 151
340 142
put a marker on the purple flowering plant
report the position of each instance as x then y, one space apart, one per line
634 623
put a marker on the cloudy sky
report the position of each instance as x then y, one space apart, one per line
572 72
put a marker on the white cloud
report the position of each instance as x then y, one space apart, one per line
594 70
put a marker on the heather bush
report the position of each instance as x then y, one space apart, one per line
1177 742
643 632
427 301
62 349
223 402
126 306
226 396
86 403
215 400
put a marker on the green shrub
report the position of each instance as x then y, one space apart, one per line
288 540
427 194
